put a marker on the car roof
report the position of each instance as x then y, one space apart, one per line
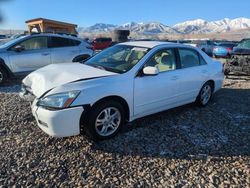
55 35
152 44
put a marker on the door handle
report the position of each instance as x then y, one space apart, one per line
45 54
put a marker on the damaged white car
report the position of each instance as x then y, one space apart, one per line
122 83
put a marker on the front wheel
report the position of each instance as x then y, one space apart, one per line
105 120
205 94
3 76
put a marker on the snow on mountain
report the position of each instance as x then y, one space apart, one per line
202 26
148 28
99 27
188 27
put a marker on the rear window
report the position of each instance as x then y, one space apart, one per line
190 58
57 42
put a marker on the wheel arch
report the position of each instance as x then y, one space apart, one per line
5 67
209 81
89 107
81 57
118 99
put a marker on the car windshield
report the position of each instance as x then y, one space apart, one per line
119 58
9 43
244 44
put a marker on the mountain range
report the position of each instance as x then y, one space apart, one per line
198 26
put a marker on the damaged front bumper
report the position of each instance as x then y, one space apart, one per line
26 93
56 123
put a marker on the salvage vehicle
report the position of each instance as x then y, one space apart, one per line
25 54
120 84
240 61
205 45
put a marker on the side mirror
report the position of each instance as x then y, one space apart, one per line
151 71
19 48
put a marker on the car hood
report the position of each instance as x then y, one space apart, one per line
55 75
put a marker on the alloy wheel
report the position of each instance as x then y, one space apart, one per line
206 94
108 121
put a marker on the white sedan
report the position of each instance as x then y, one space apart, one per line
118 85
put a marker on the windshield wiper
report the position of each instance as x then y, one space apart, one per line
105 68
99 67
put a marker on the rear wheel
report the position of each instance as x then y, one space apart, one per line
3 76
105 120
205 94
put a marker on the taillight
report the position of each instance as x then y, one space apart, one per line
229 49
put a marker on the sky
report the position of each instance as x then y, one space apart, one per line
85 13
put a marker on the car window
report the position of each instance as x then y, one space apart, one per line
202 61
57 42
164 60
119 58
188 58
35 43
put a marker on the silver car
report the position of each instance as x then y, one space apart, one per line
26 54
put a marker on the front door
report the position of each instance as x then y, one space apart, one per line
34 54
156 93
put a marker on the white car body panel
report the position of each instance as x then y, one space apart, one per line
144 95
53 76
29 60
58 123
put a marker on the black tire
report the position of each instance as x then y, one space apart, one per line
199 100
3 76
92 116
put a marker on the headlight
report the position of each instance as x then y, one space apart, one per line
59 100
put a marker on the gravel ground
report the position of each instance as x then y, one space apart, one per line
183 147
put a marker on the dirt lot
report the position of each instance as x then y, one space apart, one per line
182 147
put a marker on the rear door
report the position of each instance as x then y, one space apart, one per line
35 54
192 75
63 50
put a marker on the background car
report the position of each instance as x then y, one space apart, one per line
240 59
121 83
3 36
223 49
205 45
101 43
27 53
